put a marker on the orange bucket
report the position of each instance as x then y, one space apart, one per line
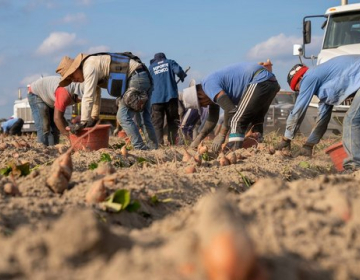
95 140
337 154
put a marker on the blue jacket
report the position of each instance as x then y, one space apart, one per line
332 82
163 72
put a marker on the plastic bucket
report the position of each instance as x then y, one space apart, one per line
95 140
337 155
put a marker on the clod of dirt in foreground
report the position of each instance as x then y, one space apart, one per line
96 193
61 171
226 250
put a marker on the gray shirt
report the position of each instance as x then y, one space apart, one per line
45 88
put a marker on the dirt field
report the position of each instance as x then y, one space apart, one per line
267 216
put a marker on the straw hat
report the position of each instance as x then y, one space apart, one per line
68 66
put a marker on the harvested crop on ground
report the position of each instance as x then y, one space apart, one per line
126 214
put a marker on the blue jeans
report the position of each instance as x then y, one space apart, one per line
126 116
33 100
45 119
351 134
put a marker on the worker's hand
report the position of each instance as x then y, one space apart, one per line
194 144
77 127
306 150
284 144
219 140
92 122
268 65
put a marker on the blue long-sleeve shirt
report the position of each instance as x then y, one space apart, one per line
332 82
234 80
6 126
163 72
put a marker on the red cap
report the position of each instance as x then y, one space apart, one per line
296 77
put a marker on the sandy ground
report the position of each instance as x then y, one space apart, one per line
268 216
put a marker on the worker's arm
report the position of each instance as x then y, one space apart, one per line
60 122
321 124
297 114
210 123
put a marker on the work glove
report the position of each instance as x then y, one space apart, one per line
219 140
91 123
306 150
284 144
194 144
77 127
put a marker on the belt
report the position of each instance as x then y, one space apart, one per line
138 70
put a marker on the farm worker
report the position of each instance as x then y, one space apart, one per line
12 126
48 102
125 77
332 82
164 98
244 91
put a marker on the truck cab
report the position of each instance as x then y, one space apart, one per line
341 37
341 33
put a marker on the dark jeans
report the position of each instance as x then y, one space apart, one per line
16 127
170 110
46 122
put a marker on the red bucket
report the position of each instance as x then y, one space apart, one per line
337 155
95 140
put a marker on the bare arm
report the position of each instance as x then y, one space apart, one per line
60 122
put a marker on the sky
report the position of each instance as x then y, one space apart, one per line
203 35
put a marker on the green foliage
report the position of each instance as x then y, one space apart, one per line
121 200
247 181
16 170
304 164
93 165
205 156
104 157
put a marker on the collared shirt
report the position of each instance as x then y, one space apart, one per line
234 80
332 82
96 69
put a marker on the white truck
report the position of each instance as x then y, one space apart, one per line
341 36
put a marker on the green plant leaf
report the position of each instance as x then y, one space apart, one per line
105 157
116 207
304 164
141 160
122 197
205 156
154 199
5 171
93 165
133 206
24 168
